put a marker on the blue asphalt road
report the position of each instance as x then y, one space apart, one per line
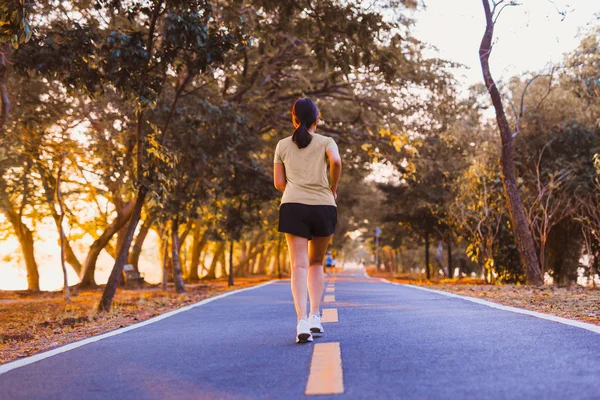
397 343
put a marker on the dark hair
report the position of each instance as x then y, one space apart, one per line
304 115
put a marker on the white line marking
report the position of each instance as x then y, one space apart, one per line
549 317
72 346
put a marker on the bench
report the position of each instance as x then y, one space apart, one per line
131 275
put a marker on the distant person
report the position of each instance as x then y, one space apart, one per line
328 261
308 213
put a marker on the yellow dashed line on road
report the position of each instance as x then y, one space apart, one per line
329 315
326 375
330 298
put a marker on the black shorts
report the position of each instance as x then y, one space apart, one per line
307 221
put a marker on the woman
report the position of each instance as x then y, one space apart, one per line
308 212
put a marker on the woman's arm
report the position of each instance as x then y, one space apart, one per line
335 168
279 179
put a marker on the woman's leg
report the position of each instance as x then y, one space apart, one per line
316 277
298 248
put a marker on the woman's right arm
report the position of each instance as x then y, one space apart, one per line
279 179
335 168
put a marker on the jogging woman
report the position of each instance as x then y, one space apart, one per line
308 212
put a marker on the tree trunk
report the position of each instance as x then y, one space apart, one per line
203 255
136 250
231 271
449 252
439 258
521 228
26 242
62 233
594 269
212 271
270 262
400 262
70 256
89 266
175 246
5 50
47 183
25 237
260 261
121 234
427 271
165 264
198 243
223 261
117 271
248 261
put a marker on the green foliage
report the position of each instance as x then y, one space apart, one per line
88 58
507 264
14 22
187 99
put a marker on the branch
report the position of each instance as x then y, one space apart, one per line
511 4
4 100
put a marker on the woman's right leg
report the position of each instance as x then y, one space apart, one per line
298 248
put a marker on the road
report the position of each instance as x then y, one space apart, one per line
396 342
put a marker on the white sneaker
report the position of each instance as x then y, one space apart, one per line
303 334
315 324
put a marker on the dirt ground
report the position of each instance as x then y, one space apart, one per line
34 322
574 302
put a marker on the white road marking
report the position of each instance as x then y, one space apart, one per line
549 317
72 346
330 298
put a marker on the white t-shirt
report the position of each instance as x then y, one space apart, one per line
306 171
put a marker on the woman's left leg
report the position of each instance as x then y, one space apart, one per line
317 248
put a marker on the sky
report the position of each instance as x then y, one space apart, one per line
529 37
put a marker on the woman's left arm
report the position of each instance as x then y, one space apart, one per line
279 179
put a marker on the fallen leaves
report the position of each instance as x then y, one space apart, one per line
30 323
573 302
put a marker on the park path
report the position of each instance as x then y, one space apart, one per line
396 342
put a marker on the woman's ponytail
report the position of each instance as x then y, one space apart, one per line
302 136
304 114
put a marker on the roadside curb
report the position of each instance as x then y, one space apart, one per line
4 368
548 317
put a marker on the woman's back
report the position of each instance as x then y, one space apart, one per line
306 171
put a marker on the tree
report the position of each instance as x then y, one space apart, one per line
242 209
516 210
14 31
62 239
